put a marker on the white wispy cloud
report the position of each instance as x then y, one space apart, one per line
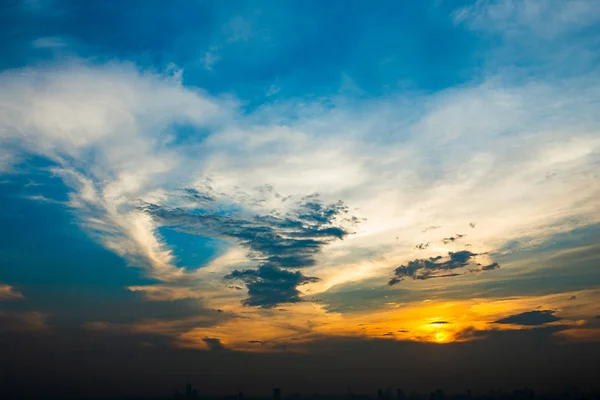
107 130
546 19
550 36
519 161
210 58
7 160
50 42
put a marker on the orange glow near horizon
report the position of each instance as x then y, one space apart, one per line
441 322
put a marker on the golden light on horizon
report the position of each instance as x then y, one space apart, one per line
441 337
434 321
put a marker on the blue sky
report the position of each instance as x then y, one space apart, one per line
198 172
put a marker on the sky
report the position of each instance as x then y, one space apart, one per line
305 194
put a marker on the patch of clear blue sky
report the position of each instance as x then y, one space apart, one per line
258 51
40 242
192 251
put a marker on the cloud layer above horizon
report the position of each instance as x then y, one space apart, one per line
278 185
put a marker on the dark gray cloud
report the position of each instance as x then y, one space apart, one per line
490 267
269 285
214 344
198 196
441 322
452 238
262 343
470 333
530 318
422 246
275 241
439 267
288 241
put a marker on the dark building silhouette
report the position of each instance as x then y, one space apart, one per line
384 394
438 394
190 393
400 394
276 394
523 394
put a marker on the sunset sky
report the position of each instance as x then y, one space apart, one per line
311 194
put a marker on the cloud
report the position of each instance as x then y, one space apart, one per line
545 19
210 59
124 117
43 199
214 344
8 159
152 323
438 267
553 37
8 292
490 267
452 238
256 342
273 90
275 241
289 241
536 317
31 321
50 42
441 160
166 292
238 29
270 285
469 333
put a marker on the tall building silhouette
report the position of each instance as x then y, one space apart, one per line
190 393
276 394
400 394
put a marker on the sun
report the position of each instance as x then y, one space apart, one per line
441 337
